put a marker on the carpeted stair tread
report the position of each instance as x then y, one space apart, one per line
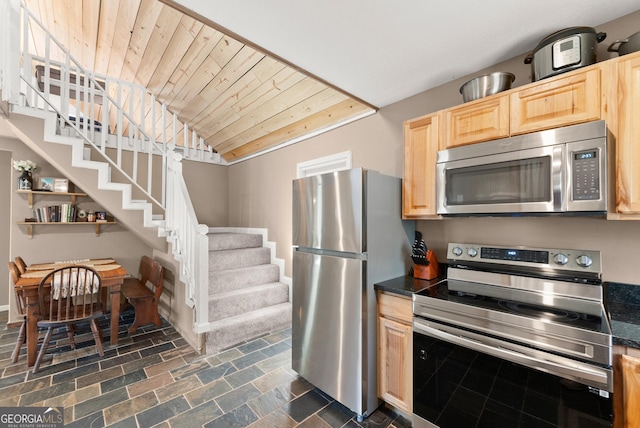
241 328
248 299
226 259
232 241
231 279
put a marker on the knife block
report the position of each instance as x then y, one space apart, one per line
429 271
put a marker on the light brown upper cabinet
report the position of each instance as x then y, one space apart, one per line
626 90
421 138
559 101
481 120
608 90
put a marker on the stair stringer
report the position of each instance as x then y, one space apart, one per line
37 129
172 307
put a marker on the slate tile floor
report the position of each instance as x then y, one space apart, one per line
154 378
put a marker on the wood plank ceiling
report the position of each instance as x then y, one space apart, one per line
239 98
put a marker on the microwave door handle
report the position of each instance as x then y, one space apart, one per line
558 173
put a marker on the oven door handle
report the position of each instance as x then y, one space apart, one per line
580 371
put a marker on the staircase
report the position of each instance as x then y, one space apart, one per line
246 298
233 289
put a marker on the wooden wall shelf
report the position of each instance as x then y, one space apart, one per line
97 225
30 194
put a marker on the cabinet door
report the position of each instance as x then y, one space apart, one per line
477 121
420 154
631 390
395 352
627 147
558 101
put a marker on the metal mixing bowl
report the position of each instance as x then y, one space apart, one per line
485 85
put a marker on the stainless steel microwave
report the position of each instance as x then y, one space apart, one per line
557 171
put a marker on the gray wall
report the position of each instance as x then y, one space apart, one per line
208 188
5 221
260 188
58 242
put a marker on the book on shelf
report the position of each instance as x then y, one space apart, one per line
64 213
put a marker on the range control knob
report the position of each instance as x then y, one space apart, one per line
584 260
457 251
561 259
472 252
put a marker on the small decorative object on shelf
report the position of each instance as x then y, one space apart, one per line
91 216
25 181
46 184
61 185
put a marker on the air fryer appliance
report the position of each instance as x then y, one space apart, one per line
563 51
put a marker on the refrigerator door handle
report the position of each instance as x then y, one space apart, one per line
355 256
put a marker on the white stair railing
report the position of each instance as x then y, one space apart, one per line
110 114
190 243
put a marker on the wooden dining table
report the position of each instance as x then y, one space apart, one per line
112 275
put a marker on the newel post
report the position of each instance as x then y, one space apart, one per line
174 170
202 280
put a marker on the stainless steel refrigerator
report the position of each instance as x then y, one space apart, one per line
347 235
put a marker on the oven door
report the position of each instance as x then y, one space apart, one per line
464 379
522 181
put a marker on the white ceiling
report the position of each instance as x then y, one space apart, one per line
383 51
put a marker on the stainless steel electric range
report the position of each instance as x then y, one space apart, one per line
513 337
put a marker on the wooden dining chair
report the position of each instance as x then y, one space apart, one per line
69 295
21 307
144 293
22 266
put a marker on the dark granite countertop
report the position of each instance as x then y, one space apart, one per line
623 305
405 285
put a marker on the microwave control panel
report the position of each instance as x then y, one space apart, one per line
586 175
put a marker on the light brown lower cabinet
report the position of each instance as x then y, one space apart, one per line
626 393
395 351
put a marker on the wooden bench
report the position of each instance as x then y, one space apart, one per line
144 293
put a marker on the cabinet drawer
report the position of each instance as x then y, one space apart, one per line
399 308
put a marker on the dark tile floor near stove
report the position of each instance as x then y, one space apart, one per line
154 378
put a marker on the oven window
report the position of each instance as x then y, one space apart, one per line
517 181
458 387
